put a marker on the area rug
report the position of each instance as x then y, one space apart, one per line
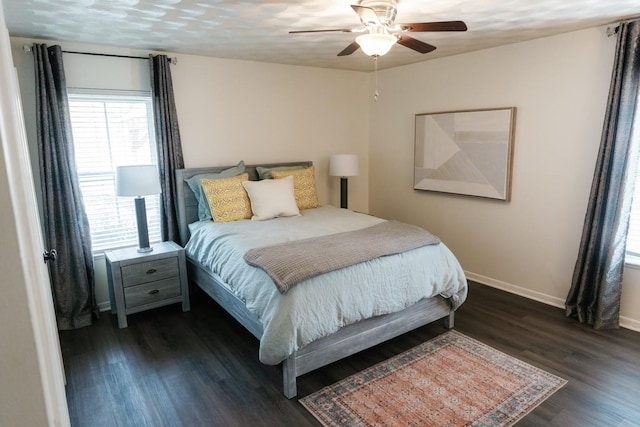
451 380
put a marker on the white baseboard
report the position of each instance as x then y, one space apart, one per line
632 324
625 322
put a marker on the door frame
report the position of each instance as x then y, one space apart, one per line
30 245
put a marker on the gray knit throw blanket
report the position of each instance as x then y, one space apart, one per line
289 263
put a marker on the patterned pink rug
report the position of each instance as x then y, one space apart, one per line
451 380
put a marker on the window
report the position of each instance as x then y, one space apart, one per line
109 130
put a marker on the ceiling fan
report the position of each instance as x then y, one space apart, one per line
380 32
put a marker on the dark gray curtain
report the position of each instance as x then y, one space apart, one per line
168 142
65 220
595 291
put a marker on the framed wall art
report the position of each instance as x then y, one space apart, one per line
465 152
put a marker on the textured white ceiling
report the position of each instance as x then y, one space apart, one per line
258 30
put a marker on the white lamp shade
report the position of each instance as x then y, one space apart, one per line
137 180
343 165
376 44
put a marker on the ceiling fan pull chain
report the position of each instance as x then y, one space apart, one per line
375 93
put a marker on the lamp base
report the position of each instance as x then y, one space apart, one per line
141 220
343 192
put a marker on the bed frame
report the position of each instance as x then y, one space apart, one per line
345 342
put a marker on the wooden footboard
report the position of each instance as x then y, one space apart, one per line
345 342
360 336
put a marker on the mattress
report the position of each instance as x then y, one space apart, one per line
321 305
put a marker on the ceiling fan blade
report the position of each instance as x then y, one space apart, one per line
341 30
366 14
349 49
415 44
419 27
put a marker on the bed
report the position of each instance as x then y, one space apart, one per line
307 348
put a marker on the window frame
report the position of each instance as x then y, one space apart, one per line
124 206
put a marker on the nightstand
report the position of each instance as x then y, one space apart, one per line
141 281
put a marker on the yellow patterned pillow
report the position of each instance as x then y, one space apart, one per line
227 198
304 186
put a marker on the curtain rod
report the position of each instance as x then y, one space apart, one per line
614 27
172 60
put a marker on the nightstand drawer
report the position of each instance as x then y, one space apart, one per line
151 292
149 271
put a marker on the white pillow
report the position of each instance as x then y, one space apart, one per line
271 198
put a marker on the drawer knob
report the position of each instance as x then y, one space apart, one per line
151 271
153 292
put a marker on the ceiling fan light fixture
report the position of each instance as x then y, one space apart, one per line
376 44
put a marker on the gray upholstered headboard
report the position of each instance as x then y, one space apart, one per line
186 200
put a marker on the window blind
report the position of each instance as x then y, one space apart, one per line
109 131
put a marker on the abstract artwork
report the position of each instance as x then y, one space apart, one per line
465 152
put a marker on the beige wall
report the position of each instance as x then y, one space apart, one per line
234 110
528 245
238 110
231 110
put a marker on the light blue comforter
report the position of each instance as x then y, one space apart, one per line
323 304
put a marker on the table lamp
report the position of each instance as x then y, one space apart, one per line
137 181
343 165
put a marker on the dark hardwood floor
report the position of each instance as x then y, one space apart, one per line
201 368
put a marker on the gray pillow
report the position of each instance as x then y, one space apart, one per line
195 184
265 173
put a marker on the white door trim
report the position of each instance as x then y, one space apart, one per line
23 200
